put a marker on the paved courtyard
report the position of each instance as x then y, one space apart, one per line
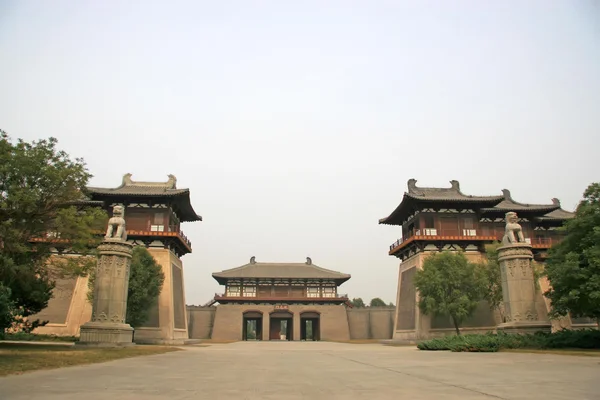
305 370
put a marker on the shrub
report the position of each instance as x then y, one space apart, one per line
437 343
476 343
23 336
580 339
492 342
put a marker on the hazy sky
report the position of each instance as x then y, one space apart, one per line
296 124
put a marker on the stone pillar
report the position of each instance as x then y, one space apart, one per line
518 290
107 327
296 328
265 326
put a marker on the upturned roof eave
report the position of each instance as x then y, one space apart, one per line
117 192
222 280
188 212
397 216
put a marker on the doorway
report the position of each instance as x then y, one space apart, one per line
281 326
310 327
252 325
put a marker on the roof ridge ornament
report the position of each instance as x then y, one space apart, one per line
127 181
171 183
556 201
252 260
455 184
506 194
412 185
308 261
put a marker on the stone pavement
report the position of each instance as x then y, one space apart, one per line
306 370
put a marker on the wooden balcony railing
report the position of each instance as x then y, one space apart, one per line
223 296
179 235
471 234
55 238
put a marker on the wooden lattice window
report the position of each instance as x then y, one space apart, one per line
233 291
249 291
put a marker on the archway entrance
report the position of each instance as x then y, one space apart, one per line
281 325
310 327
252 325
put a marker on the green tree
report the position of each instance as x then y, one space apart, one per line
40 211
493 279
450 285
357 303
145 283
377 302
391 304
6 309
573 265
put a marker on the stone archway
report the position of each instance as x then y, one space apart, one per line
310 325
281 325
252 325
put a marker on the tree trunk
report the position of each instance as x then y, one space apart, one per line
456 326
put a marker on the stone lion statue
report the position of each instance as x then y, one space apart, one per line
513 232
117 221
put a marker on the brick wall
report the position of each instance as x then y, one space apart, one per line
228 321
224 322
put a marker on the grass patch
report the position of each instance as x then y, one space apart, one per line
492 342
30 337
18 358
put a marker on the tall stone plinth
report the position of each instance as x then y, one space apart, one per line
518 290
108 327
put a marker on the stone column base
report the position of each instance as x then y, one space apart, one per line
101 334
525 327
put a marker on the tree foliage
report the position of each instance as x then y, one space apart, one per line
377 302
6 309
40 189
493 278
573 265
145 283
357 303
450 285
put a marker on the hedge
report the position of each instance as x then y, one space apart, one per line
492 342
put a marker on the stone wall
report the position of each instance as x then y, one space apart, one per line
167 323
228 320
224 322
200 321
371 323
67 310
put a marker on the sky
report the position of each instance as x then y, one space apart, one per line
296 124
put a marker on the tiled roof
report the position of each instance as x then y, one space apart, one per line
130 188
280 270
452 193
416 195
509 204
557 215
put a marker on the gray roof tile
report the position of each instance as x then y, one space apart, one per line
280 270
509 204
